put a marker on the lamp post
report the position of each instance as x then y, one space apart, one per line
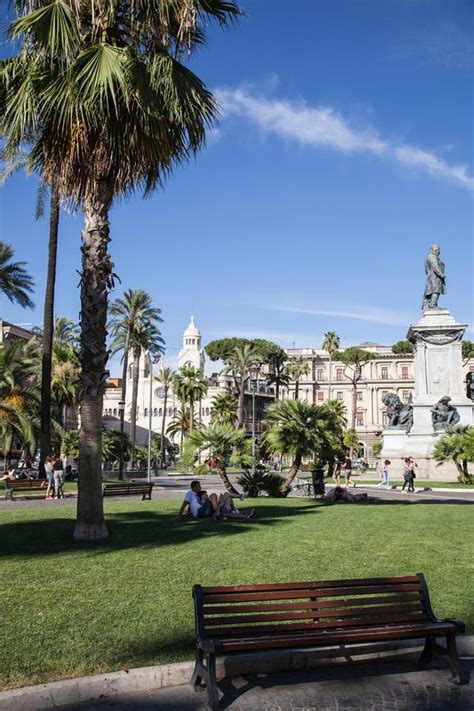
121 407
150 403
254 371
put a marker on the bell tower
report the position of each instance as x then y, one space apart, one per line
191 353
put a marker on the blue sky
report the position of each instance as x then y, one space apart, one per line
345 149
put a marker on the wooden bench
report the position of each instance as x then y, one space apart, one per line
12 485
260 618
130 488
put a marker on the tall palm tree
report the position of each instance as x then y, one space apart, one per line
330 345
100 96
15 282
133 328
224 409
165 377
297 429
239 361
297 367
279 376
179 424
64 378
190 386
224 445
66 332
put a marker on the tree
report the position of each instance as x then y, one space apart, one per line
457 445
133 328
297 367
351 439
354 360
179 424
467 350
330 345
100 97
64 379
222 348
224 445
279 376
224 409
115 444
66 332
71 444
15 282
377 448
165 377
190 386
238 363
298 429
401 347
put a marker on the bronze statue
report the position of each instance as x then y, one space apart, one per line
400 416
435 279
443 414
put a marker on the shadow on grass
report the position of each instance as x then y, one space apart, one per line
134 529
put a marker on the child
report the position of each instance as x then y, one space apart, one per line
384 474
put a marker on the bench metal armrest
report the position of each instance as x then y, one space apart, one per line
459 623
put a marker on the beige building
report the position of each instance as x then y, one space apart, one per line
388 372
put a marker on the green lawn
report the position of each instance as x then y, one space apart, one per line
71 609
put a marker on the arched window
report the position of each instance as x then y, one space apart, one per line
160 411
145 412
207 411
130 371
115 412
155 412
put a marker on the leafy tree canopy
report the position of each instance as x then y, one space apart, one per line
222 348
353 356
403 347
467 349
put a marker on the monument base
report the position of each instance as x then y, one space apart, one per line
397 445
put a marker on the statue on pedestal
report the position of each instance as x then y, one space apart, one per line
435 279
443 414
400 416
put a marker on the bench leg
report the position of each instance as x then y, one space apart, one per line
427 653
199 672
459 675
211 681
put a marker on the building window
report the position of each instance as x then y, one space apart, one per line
405 373
339 373
160 393
155 412
320 374
360 419
339 396
383 393
160 412
384 418
115 412
145 413
384 372
360 395
320 395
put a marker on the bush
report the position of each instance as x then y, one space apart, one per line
267 482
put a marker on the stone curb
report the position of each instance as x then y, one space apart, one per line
91 688
420 490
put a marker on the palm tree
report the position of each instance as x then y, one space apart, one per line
66 332
279 376
297 429
330 345
15 282
64 378
100 97
133 328
224 445
224 409
239 361
297 367
190 386
457 445
165 377
179 424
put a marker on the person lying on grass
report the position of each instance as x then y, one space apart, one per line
340 494
203 505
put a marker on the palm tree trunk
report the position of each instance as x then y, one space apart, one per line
48 331
227 482
123 396
330 376
240 418
286 486
191 414
162 441
96 280
297 389
137 351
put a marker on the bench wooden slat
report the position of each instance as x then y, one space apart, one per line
128 489
335 603
310 592
395 632
315 612
346 582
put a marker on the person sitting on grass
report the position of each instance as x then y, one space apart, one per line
339 494
201 504
9 476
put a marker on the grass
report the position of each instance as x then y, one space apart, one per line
72 609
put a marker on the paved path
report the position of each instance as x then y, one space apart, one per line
390 686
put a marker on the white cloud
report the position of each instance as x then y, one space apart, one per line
325 127
363 313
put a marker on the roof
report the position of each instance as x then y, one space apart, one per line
192 329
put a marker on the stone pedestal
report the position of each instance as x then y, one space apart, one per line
438 372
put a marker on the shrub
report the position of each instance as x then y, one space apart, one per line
267 482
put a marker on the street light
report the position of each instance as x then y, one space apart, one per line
254 371
121 408
150 404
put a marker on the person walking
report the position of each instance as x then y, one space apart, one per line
58 470
48 470
347 471
336 471
384 474
408 474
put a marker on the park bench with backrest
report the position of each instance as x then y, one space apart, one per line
12 485
238 619
130 488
